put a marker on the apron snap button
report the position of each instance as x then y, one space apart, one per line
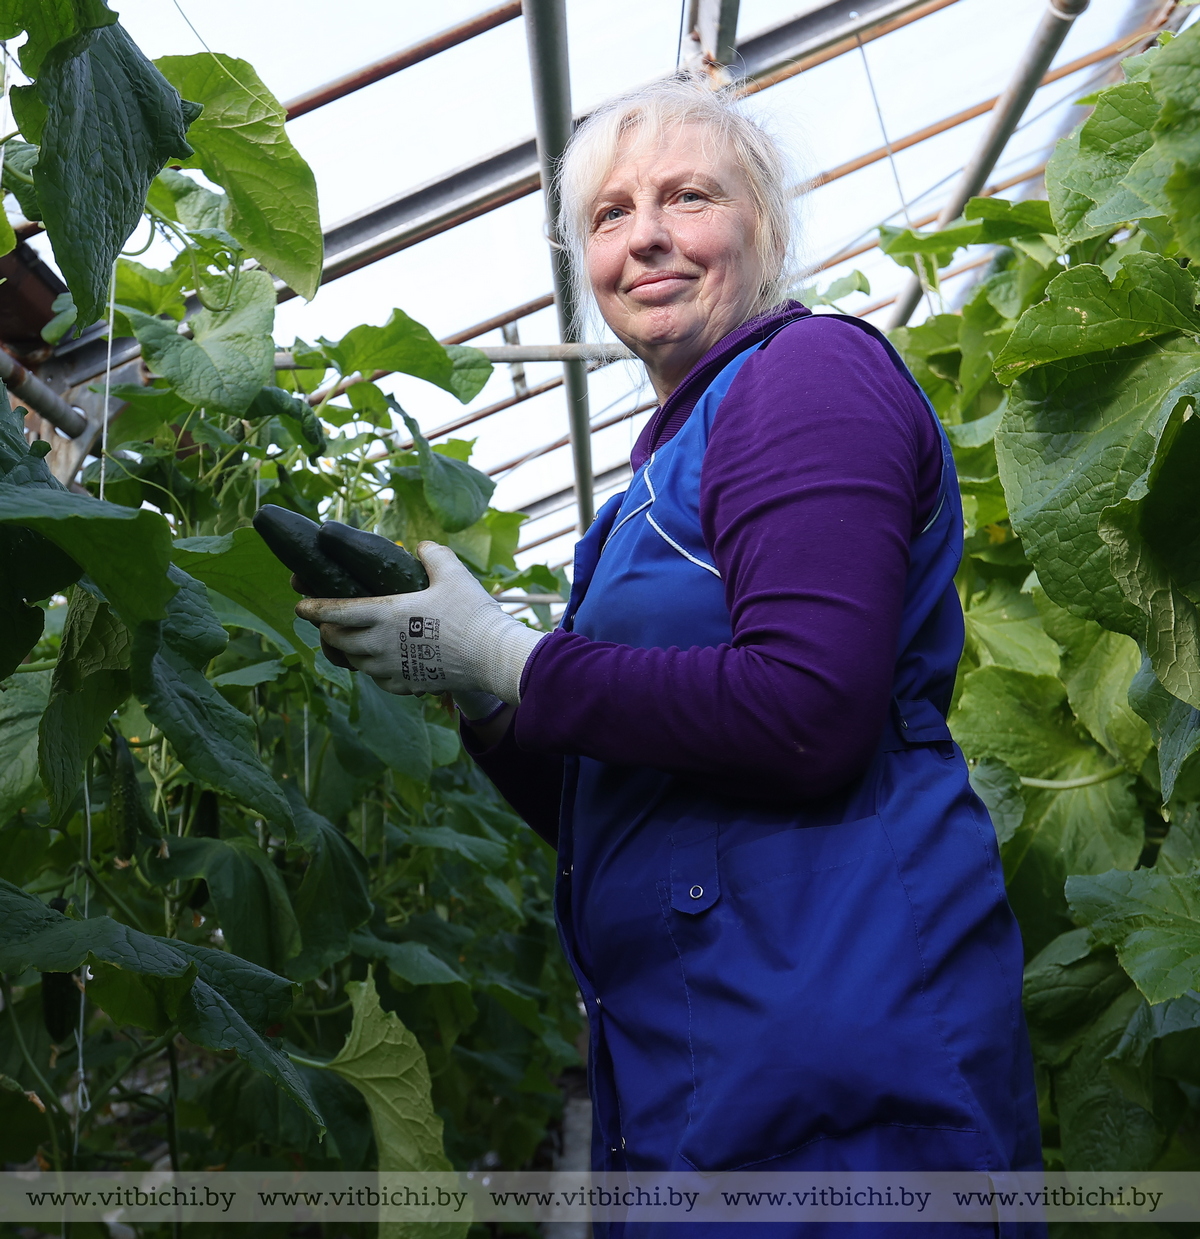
697 892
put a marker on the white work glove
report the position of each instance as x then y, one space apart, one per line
452 637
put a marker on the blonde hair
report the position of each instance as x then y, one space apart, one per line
655 111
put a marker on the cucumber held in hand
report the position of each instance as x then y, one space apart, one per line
293 540
379 565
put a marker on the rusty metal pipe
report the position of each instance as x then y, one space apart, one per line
340 87
1059 17
960 118
48 404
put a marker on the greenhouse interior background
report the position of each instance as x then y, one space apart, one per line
455 108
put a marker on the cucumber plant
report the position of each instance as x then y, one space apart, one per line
220 854
1068 383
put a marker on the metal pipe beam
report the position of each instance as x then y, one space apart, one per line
546 30
546 448
960 118
340 87
1059 17
508 353
709 44
498 179
33 392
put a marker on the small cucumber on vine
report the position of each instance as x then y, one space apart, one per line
292 539
205 825
60 997
381 566
128 815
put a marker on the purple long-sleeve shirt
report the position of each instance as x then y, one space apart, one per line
821 466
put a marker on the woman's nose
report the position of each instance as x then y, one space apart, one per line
649 232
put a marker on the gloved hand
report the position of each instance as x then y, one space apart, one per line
453 636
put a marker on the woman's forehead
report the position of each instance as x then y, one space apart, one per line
683 151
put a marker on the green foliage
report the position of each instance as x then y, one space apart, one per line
111 122
252 824
240 143
405 346
229 358
1067 386
1150 296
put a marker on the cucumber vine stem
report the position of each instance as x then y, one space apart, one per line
49 1096
1066 785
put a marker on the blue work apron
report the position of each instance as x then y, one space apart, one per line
811 986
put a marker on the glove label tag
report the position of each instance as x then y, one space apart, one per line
420 653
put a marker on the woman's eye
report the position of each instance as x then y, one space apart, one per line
689 195
611 214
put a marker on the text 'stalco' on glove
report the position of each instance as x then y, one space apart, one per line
452 637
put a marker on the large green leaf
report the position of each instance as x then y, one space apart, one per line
231 355
1149 297
1152 919
1154 537
470 373
247 892
1175 80
1102 1129
112 121
1074 438
393 728
21 707
1160 1040
1098 668
1004 629
401 344
999 787
47 22
239 566
1087 829
20 159
1068 985
150 290
1175 724
1085 173
296 414
241 144
214 741
456 492
334 898
228 1006
91 678
986 221
413 962
125 551
185 200
383 1060
486 852
1017 718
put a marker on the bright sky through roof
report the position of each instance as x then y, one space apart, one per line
475 98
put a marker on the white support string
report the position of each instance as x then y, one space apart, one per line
112 314
306 750
887 146
83 1102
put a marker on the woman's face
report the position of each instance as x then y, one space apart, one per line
671 253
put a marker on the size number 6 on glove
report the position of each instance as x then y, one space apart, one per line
452 637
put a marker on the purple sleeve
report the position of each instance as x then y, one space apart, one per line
530 782
822 463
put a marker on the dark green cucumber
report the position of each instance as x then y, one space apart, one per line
60 1005
380 566
60 997
128 816
292 539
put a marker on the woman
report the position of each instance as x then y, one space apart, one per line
782 901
